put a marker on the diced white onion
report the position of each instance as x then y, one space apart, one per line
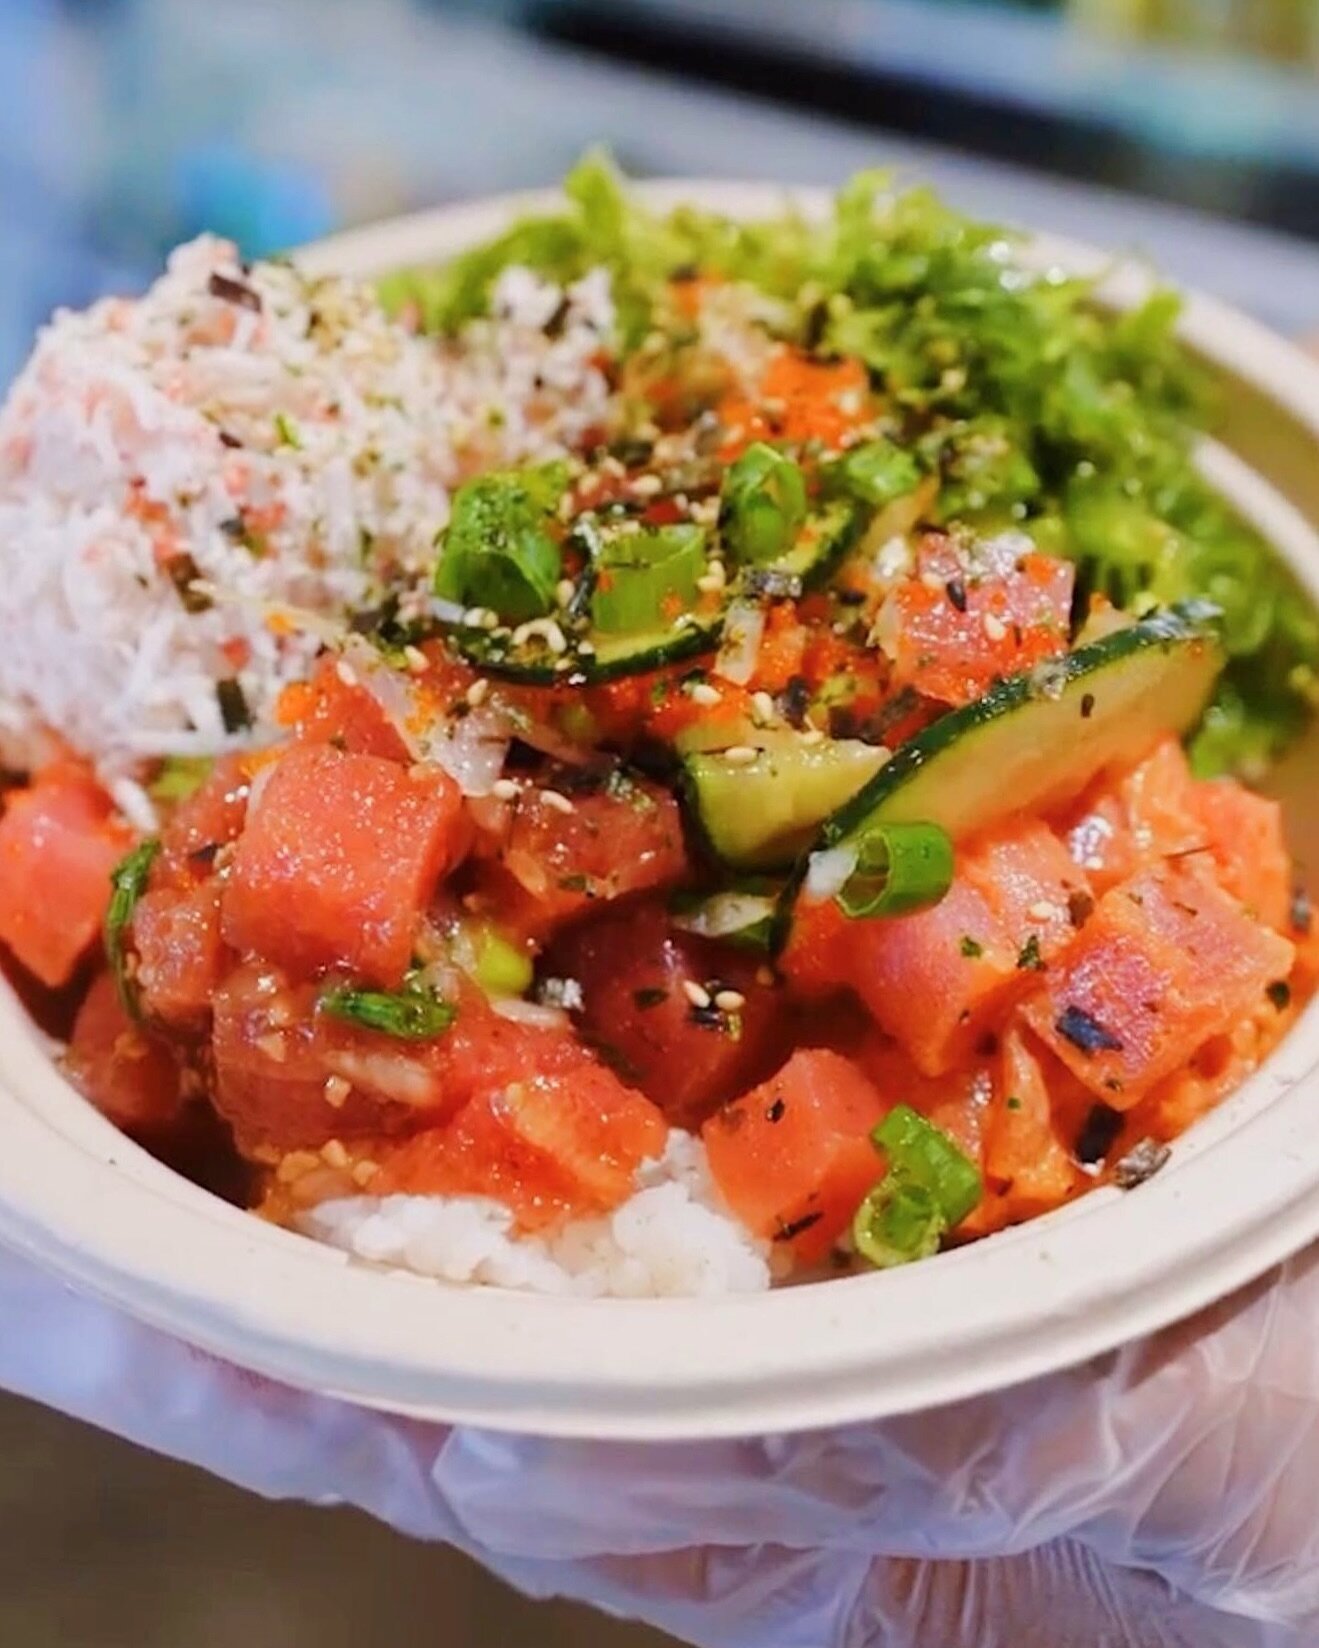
530 1013
827 872
744 629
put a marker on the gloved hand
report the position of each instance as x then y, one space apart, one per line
1163 1495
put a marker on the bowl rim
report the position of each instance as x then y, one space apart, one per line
80 1199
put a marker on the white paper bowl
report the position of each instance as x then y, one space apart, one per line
1241 1192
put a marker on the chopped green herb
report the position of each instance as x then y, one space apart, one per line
971 947
287 431
1280 994
413 1013
183 572
1013 1102
1029 958
128 881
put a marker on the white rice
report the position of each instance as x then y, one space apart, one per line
292 451
672 1238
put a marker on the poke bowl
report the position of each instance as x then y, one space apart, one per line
659 814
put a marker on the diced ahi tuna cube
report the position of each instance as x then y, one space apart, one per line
970 616
1027 1158
121 1068
793 1158
1147 815
338 861
1249 851
58 846
552 1145
1166 961
934 980
181 954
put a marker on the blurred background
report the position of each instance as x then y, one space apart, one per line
1184 129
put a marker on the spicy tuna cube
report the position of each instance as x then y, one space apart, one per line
793 1158
338 861
58 845
1166 961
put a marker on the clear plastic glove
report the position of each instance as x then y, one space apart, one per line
1163 1495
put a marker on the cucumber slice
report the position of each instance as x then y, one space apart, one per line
828 536
607 659
1037 740
761 814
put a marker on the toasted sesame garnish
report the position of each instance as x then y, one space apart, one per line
346 673
547 630
762 707
333 1154
741 755
586 649
564 591
712 579
695 993
1043 910
812 735
478 692
730 1001
931 580
994 626
415 659
557 800
273 1046
364 1172
337 1091
646 486
295 1165
504 789
701 692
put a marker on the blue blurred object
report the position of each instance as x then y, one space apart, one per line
128 125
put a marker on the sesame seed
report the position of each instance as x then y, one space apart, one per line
703 693
478 692
695 993
762 706
812 735
273 1046
730 1001
586 649
646 486
504 789
364 1172
713 578
994 626
333 1154
474 617
295 1165
931 580
564 591
1043 910
489 619
337 1091
346 673
741 755
544 628
415 659
557 800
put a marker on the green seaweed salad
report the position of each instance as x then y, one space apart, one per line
1030 403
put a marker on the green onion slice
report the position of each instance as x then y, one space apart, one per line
180 776
498 550
876 473
764 504
646 579
921 1154
128 881
411 1014
500 967
897 1223
898 868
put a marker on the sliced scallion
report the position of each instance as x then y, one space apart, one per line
498 550
875 473
922 1154
764 504
896 1223
899 868
743 918
128 881
500 967
645 579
